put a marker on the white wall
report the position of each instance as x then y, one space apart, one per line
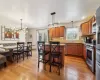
32 37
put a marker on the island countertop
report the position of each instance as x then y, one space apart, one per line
61 44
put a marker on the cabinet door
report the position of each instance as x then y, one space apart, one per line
85 28
74 49
90 26
62 31
50 33
53 32
80 49
84 52
71 49
57 32
82 29
68 47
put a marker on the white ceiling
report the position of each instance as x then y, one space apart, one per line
37 12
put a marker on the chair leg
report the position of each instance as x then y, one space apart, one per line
23 56
17 58
5 65
50 68
59 70
27 55
44 66
13 56
31 53
38 63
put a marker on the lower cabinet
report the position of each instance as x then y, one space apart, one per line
84 52
74 49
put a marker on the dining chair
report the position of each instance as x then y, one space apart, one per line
55 56
42 53
20 51
28 49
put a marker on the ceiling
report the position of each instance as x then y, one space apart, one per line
36 13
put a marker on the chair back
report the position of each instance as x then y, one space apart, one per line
54 47
20 46
29 46
41 48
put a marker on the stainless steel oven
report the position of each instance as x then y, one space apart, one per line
90 60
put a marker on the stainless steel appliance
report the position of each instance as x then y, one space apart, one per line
90 59
94 27
97 64
88 40
98 28
98 44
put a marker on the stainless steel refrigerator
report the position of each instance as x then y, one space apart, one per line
98 44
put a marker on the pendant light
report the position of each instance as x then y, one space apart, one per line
53 20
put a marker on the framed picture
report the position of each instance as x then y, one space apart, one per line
9 34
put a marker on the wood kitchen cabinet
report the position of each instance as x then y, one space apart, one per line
57 32
84 52
80 49
62 31
74 49
90 27
53 32
71 49
85 28
50 33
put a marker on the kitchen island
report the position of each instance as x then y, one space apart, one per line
69 48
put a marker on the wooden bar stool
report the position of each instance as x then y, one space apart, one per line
55 55
42 53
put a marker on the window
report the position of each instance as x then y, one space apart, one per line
72 33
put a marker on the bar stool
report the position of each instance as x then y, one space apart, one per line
42 53
55 55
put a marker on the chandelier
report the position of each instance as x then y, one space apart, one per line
21 28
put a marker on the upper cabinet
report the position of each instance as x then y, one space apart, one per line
90 26
56 32
50 33
62 31
86 27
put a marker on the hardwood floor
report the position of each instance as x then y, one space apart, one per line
74 69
